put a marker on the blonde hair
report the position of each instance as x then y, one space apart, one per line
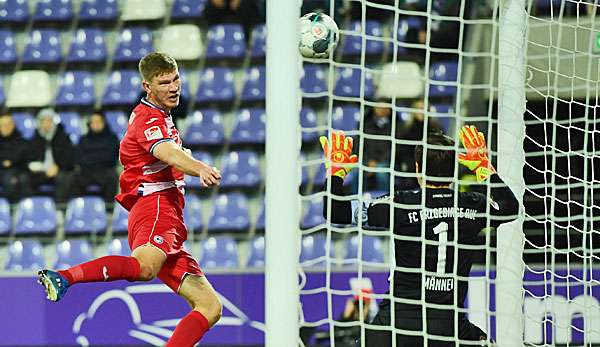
156 64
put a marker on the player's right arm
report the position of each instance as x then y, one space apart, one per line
170 153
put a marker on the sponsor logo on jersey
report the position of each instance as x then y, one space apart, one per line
153 133
158 239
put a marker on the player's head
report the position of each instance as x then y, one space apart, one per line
439 161
160 79
7 125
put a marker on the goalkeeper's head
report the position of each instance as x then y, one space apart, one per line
439 156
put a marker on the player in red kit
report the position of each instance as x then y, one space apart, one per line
152 191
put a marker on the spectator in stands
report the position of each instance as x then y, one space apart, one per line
96 158
246 12
13 160
51 156
377 152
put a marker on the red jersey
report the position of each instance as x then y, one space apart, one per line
143 173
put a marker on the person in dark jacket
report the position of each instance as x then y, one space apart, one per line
51 156
96 157
377 152
13 160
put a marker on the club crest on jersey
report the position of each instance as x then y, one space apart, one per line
153 133
158 239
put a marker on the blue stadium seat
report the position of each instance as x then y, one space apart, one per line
133 44
25 255
230 213
42 46
5 220
257 252
260 221
188 9
25 123
56 11
240 170
88 45
117 122
254 88
219 252
404 26
118 246
308 119
345 118
85 215
225 41
348 83
119 220
353 45
14 11
259 41
314 79
204 127
372 249
99 11
123 88
72 252
185 86
313 248
71 121
313 214
35 215
216 84
249 127
444 71
8 48
192 213
194 182
304 175
319 179
75 88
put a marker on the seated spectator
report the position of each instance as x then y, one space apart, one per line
13 160
377 152
96 157
246 12
51 156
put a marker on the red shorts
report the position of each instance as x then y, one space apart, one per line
157 219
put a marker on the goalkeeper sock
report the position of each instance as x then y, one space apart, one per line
109 268
189 330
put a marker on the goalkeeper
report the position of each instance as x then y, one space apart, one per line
436 277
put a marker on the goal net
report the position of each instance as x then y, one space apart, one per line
406 67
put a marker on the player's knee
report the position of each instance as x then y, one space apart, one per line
212 309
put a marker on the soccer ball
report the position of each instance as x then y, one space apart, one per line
318 35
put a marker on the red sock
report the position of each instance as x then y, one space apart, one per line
109 268
189 330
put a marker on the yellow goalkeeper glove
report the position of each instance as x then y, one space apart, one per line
338 155
476 158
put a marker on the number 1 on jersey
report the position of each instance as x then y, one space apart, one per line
442 231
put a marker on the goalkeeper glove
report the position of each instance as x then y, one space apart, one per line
476 158
339 154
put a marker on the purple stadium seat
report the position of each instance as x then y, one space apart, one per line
85 215
216 84
72 252
119 220
188 9
42 46
35 215
53 11
259 41
194 182
8 48
5 220
133 44
257 252
118 246
444 71
254 84
230 213
99 10
314 79
75 88
345 118
25 255
314 246
260 221
240 170
192 213
204 127
308 119
123 88
117 122
225 41
404 26
372 249
25 123
348 83
219 252
353 43
14 11
249 127
88 45
71 121
313 214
